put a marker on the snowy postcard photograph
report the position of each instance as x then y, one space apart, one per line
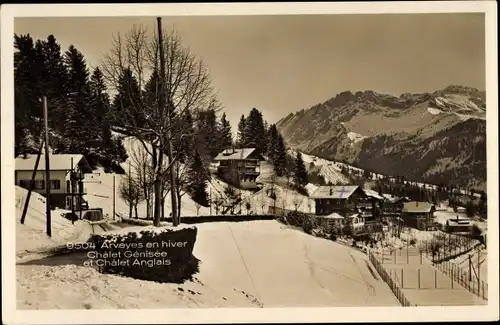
249 162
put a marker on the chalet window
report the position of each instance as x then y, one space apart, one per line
36 185
26 184
55 184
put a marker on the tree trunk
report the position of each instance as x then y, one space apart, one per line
130 210
136 215
158 199
147 208
178 204
162 208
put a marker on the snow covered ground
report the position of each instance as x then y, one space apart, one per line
441 216
31 237
246 264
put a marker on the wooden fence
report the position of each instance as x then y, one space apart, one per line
465 279
387 279
203 219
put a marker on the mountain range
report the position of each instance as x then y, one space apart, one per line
438 137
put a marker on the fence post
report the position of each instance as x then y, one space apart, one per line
451 278
402 285
435 279
419 278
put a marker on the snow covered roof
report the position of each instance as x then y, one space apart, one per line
57 162
459 221
373 194
235 154
334 192
390 197
417 207
333 215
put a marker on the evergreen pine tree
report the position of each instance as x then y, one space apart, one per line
241 137
300 174
207 134
126 104
110 151
272 144
27 90
255 134
187 145
55 82
197 179
281 160
226 137
79 117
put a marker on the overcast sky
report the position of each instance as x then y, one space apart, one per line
282 64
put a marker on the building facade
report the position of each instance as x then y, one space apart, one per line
418 215
66 177
239 167
344 200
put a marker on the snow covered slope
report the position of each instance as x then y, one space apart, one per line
31 236
245 264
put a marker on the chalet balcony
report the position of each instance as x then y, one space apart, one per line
246 170
77 175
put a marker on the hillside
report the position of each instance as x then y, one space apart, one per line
431 137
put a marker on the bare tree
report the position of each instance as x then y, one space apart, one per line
218 202
296 200
130 191
186 86
143 173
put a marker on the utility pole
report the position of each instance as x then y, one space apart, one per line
71 180
32 183
114 191
161 103
210 200
47 168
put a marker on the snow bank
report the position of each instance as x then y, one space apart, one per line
31 236
434 111
356 137
333 175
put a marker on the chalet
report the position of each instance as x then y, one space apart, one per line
393 204
344 200
66 177
239 167
458 225
419 215
333 221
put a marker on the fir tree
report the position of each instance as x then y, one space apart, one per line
27 90
79 117
226 138
272 144
207 134
241 138
126 107
187 145
110 151
197 180
300 173
255 134
280 162
55 81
